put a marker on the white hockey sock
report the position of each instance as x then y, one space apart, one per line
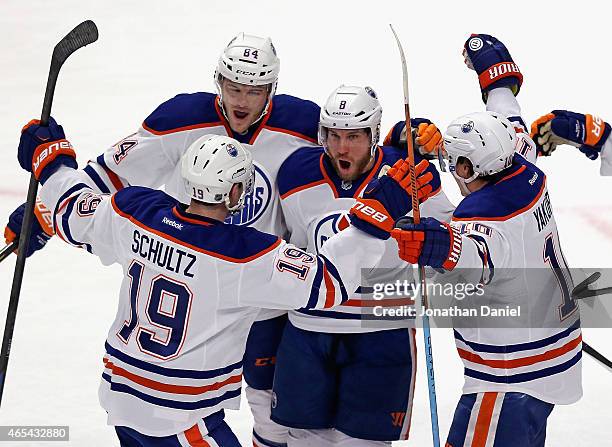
260 402
328 438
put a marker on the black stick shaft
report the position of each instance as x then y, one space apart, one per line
596 355
7 250
83 34
11 315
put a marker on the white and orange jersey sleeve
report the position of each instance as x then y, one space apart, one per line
73 204
502 101
143 158
437 206
150 156
291 278
482 249
296 221
606 157
281 276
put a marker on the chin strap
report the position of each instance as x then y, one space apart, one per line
463 182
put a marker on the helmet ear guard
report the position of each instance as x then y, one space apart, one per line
350 107
212 165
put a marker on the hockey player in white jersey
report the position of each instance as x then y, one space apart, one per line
247 109
193 284
589 133
515 374
344 378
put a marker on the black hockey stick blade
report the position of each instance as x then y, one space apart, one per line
582 290
7 250
597 355
83 34
588 293
584 285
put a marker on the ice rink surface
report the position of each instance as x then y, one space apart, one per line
149 51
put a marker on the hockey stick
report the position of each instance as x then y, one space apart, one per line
416 215
7 250
597 355
83 34
582 290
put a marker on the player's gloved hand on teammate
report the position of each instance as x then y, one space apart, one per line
431 242
492 61
586 132
389 197
43 149
42 227
426 136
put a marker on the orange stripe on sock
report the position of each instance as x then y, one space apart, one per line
194 437
481 431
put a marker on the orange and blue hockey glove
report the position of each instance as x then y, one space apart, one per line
429 243
586 132
492 61
389 197
427 136
43 149
42 227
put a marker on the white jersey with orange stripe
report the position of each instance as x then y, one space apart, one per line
192 287
316 204
150 157
606 157
510 245
503 101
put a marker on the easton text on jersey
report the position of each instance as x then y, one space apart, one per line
162 254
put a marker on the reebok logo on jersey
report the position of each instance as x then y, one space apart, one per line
172 223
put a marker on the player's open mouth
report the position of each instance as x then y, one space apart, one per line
240 115
344 165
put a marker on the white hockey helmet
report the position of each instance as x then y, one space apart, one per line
212 165
350 107
249 60
487 139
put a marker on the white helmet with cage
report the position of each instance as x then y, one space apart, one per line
487 139
212 165
350 107
249 60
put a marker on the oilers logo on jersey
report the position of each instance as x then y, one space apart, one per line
329 225
256 202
